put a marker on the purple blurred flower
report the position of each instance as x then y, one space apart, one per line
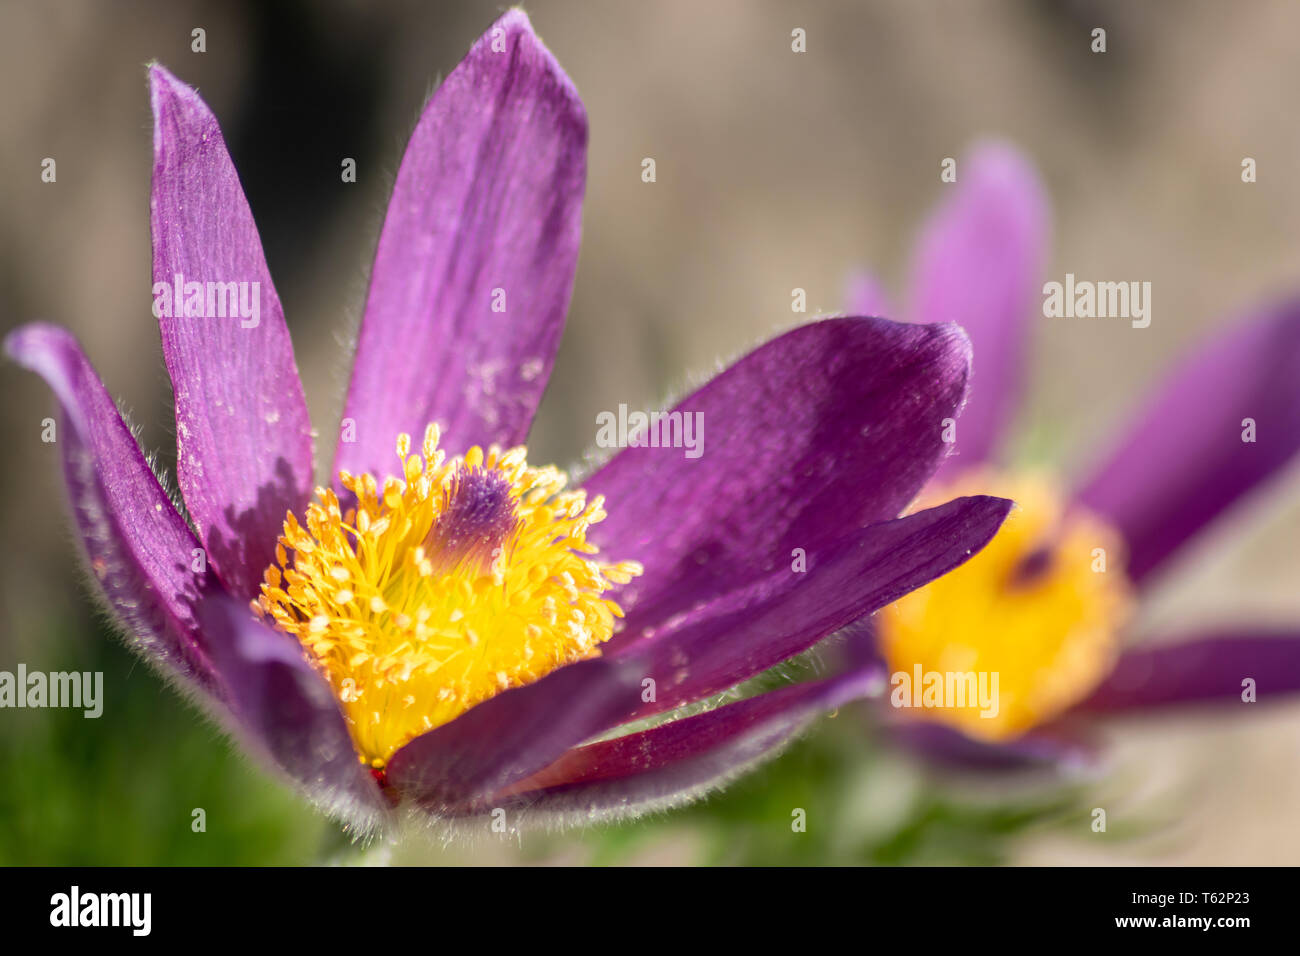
1031 604
817 441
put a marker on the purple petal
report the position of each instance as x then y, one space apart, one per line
1183 461
825 430
1203 669
511 736
288 713
949 747
745 632
676 762
979 263
139 548
859 649
514 734
475 265
243 440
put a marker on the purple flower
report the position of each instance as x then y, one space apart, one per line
1047 605
434 630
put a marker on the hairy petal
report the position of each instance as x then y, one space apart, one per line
286 714
818 433
243 438
676 762
514 734
475 265
140 550
745 632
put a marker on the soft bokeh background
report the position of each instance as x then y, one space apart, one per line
775 170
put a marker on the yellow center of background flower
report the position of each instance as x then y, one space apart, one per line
1042 605
441 588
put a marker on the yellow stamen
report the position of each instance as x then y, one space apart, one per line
1042 606
443 587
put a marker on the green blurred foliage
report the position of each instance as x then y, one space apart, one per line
862 804
120 789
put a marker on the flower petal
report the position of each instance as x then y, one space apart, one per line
475 264
814 435
288 714
140 550
514 734
949 747
243 439
979 263
1184 459
1203 669
677 762
747 631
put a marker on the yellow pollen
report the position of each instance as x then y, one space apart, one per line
441 588
1041 606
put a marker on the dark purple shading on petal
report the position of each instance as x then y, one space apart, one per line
745 632
818 433
514 734
949 747
243 439
979 263
675 762
288 713
1183 461
1202 669
139 548
488 198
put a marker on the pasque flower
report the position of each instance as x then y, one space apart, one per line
443 626
1047 605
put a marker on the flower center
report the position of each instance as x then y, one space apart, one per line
441 588
1041 607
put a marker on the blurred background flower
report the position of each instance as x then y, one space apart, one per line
775 171
1046 606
